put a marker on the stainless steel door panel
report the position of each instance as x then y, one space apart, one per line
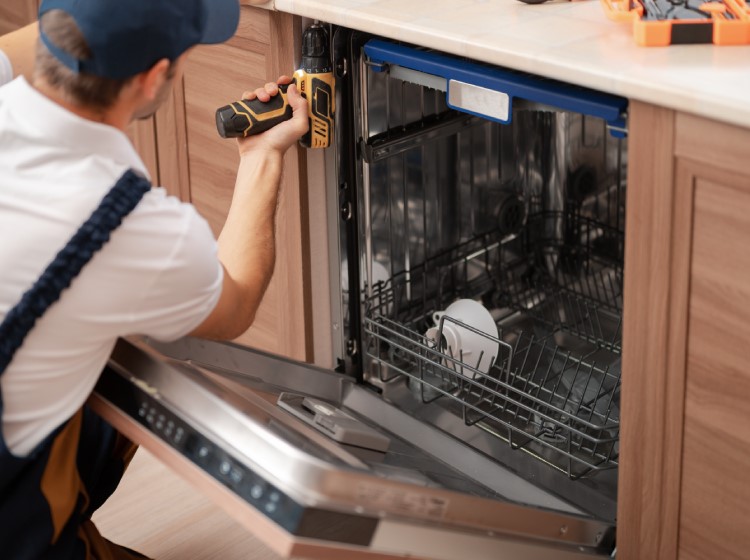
310 486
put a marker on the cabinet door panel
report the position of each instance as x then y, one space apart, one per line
143 135
261 51
16 13
715 505
685 440
213 72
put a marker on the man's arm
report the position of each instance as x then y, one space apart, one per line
20 47
247 242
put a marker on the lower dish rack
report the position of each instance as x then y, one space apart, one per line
553 389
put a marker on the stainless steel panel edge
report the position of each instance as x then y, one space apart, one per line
185 392
359 491
436 543
235 360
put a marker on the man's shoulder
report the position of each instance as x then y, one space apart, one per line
13 90
158 205
163 224
9 89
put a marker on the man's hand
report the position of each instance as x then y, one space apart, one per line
285 134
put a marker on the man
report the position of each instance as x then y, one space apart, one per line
99 65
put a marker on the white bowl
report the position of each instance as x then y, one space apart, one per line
478 350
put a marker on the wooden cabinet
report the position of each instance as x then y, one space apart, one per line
685 442
143 135
17 13
197 165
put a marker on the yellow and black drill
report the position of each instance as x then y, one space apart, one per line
315 82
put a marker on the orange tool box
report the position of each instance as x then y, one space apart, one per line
658 23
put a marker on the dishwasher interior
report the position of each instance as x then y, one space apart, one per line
526 218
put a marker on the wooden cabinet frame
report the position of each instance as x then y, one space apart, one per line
17 13
284 322
670 155
655 297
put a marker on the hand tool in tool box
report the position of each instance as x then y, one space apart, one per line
671 22
315 81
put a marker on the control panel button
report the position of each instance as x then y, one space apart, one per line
256 491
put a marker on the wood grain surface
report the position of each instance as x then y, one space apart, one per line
685 439
160 515
16 13
650 433
715 488
205 166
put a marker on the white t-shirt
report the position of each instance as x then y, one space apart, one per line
159 275
6 70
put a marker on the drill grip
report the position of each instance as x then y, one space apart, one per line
318 89
245 118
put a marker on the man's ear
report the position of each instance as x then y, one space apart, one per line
151 80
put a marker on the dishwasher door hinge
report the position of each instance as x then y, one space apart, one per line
342 67
352 348
345 203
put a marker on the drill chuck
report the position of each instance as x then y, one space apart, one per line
315 56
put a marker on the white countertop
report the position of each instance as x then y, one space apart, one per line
569 41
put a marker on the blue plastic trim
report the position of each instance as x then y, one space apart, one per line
609 107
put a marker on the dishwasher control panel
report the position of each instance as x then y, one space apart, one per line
145 406
147 409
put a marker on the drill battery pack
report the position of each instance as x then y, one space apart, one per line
658 23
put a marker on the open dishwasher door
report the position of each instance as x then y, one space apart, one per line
312 477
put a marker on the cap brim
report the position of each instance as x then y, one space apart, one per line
222 19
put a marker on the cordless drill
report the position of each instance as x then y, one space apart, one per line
314 80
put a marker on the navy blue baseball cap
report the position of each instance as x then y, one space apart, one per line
127 37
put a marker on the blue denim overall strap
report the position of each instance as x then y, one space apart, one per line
89 238
34 526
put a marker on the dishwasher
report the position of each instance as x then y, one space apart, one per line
452 180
